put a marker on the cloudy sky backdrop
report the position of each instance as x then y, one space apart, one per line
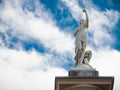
37 42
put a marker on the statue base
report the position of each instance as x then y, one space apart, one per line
83 77
84 73
84 83
82 70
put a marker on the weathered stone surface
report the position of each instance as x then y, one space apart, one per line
82 67
82 70
84 73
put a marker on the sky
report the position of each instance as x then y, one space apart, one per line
37 42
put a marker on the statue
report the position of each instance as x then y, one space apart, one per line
82 57
81 40
87 57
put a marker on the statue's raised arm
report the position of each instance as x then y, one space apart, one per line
87 20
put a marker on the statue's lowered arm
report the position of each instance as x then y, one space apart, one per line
75 32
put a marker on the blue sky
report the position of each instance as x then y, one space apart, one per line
37 42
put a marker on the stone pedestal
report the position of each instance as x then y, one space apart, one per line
82 77
83 70
84 83
84 73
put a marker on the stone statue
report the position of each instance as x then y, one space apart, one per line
87 57
81 40
82 57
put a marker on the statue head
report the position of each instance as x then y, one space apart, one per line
88 54
82 23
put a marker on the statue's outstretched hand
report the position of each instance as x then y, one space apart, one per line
84 10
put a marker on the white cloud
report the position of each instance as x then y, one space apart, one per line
101 26
26 70
42 28
51 36
74 8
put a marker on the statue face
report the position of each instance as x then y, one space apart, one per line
87 55
82 23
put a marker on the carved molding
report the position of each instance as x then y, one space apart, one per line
83 87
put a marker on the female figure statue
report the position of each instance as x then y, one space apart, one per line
81 39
